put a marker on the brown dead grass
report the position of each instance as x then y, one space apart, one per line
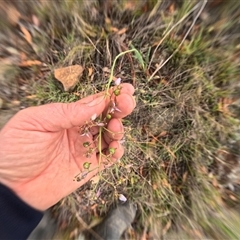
172 137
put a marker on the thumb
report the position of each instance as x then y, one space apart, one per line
59 116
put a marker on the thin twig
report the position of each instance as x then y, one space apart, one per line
170 30
87 227
113 66
180 45
108 50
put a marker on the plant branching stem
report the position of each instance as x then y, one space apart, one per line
113 66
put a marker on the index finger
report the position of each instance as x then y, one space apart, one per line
123 105
125 88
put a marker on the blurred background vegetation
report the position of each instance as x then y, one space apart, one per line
181 164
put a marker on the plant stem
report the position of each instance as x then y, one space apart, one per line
113 66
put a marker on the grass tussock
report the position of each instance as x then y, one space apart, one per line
187 64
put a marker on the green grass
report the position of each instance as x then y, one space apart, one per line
173 134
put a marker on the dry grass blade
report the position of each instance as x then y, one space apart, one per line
185 71
87 228
170 30
184 38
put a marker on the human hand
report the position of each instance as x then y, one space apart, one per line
41 149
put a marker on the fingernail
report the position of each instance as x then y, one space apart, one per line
96 101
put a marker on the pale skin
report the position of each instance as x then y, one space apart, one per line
41 149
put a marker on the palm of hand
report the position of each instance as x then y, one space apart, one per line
39 163
49 161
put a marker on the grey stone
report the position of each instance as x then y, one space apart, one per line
115 223
46 229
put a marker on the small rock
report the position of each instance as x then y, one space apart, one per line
45 229
69 76
115 223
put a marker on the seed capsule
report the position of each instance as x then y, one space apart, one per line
108 116
86 144
112 150
86 165
116 92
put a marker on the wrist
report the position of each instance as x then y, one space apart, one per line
17 218
21 192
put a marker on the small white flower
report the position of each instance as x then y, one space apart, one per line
122 141
117 81
113 107
94 116
84 174
85 132
81 176
122 198
100 124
